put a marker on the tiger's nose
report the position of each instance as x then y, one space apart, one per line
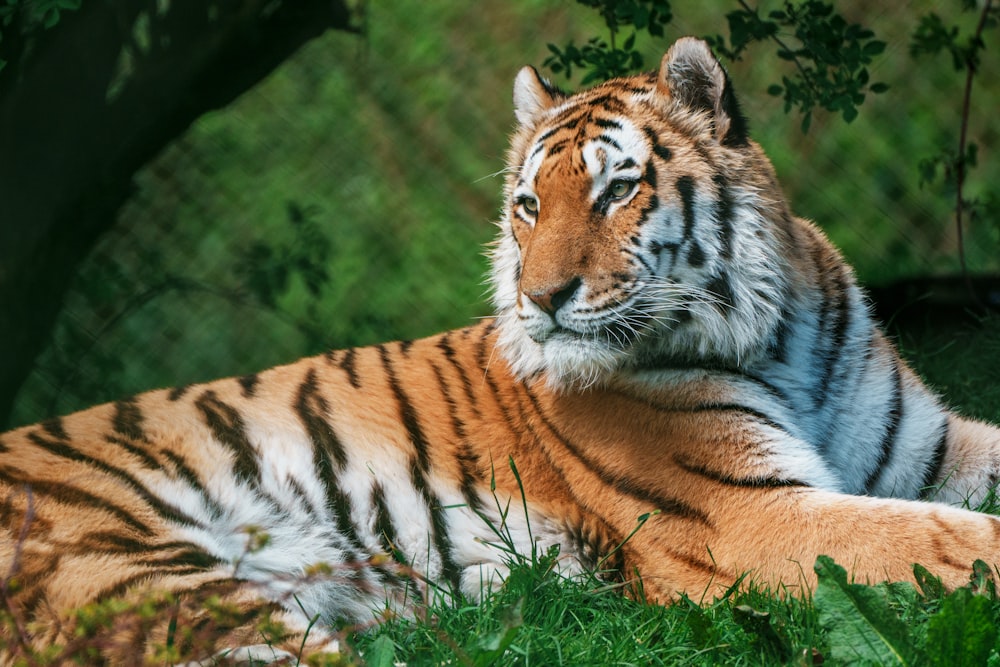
552 300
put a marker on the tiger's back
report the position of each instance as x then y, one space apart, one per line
672 348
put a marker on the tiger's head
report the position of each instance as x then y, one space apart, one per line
641 227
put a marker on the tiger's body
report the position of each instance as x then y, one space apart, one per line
670 341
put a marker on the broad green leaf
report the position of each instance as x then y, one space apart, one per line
381 653
962 632
862 627
930 586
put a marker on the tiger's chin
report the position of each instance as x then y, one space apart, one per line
573 362
565 360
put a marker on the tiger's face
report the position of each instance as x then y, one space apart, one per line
641 227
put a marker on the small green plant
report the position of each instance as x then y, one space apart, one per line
949 167
600 59
830 54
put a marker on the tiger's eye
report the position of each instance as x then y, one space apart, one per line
620 188
530 205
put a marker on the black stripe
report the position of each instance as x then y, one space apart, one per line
146 459
127 420
656 248
662 152
604 138
928 485
347 365
724 214
65 451
738 134
185 472
440 533
836 336
649 177
304 500
891 431
666 505
228 429
607 102
54 427
685 187
191 560
249 384
406 410
761 417
651 207
546 135
782 334
384 528
739 408
695 255
467 460
444 344
720 287
176 393
419 468
343 514
753 482
659 150
127 423
314 412
122 586
329 458
404 346
607 122
108 542
70 495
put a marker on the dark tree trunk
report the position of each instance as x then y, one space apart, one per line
75 126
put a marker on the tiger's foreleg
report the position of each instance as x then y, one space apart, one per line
773 536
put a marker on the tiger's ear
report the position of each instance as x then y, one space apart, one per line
532 95
690 74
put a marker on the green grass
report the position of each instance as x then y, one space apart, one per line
538 618
957 354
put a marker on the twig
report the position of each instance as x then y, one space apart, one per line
970 71
23 638
777 40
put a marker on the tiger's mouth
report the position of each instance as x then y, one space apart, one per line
616 334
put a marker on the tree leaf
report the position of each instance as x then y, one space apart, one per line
862 626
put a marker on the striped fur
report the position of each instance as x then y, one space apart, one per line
669 340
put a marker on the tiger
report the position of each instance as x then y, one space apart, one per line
682 387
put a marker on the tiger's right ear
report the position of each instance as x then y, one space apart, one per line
532 95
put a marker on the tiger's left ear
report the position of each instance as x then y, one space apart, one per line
532 95
690 74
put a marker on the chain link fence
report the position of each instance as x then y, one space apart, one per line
347 199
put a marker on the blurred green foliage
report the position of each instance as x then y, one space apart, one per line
21 20
346 200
